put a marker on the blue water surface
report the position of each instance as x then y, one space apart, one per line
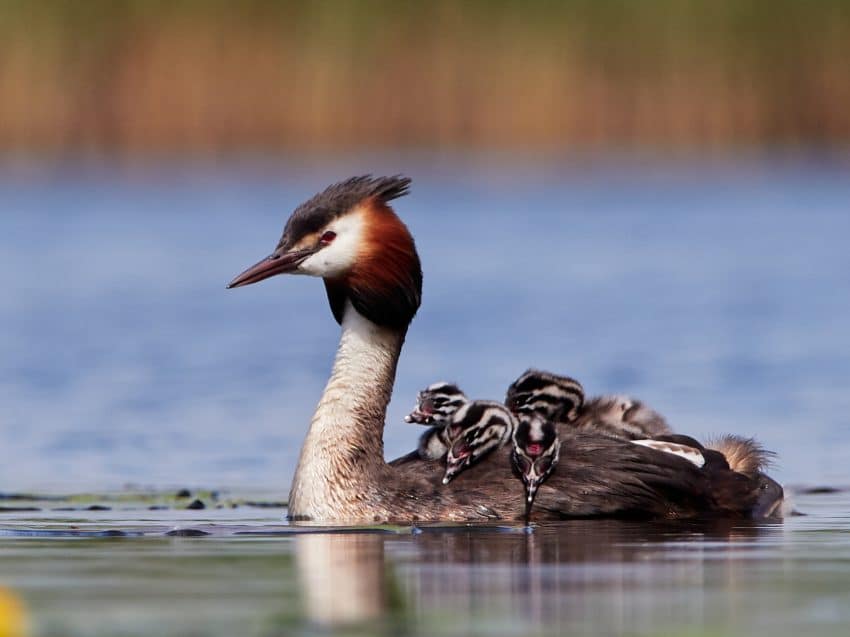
716 290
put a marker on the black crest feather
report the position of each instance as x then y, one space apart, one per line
339 198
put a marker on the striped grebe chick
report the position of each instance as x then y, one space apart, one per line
477 429
622 416
535 453
548 395
436 405
463 431
349 236
433 444
562 399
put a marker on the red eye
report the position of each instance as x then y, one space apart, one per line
327 237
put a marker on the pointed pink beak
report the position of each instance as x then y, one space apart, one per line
278 262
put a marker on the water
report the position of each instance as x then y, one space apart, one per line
252 575
717 291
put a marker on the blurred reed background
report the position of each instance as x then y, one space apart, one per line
216 76
677 169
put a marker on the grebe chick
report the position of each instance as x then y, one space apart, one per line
477 429
562 399
535 454
349 236
433 444
436 404
622 416
552 397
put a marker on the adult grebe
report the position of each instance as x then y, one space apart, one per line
349 236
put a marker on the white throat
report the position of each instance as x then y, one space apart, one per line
344 447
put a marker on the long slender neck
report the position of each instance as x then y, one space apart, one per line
344 449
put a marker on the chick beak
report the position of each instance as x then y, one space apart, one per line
451 472
531 492
278 262
457 464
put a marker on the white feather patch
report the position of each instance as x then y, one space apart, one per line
338 257
683 451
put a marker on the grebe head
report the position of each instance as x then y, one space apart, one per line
535 453
548 395
349 236
436 404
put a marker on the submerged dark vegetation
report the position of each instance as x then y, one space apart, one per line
149 75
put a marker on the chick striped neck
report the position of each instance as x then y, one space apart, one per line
344 449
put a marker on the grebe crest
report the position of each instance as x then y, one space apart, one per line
536 449
437 404
744 455
477 429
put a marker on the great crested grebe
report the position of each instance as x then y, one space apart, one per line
476 430
535 453
435 406
463 431
350 237
562 399
540 400
433 444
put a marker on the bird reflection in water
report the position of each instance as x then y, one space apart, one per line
586 576
343 577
